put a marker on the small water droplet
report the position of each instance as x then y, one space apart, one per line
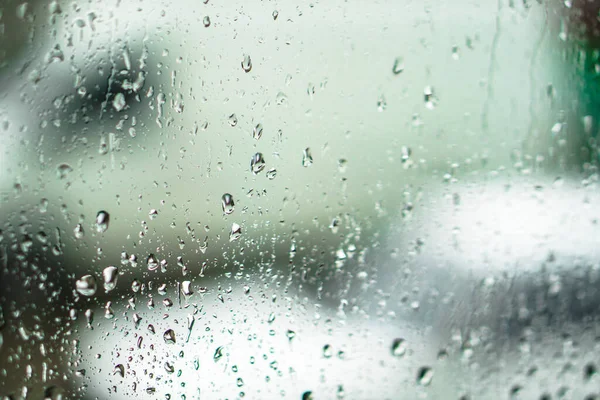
398 347
247 63
258 163
153 213
327 352
307 159
86 286
169 367
236 232
43 205
78 231
206 21
381 104
257 131
169 336
398 65
102 221
152 262
271 173
424 376
119 370
63 171
428 95
290 334
119 102
233 120
227 203
110 275
218 353
307 395
275 15
281 98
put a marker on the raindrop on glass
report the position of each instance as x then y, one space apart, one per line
424 376
169 336
257 131
236 232
398 347
102 221
258 163
398 66
247 63
110 275
206 21
307 159
227 203
86 286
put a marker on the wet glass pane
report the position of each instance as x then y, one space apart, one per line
308 200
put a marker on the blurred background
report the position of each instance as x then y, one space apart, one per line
306 200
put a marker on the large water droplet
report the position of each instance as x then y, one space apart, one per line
327 352
227 203
272 173
102 221
110 275
247 63
307 395
258 163
86 286
206 21
236 232
169 336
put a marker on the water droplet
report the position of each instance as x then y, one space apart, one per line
290 334
227 203
119 102
152 262
257 131
169 336
119 370
381 104
275 15
233 120
424 376
281 98
429 97
218 353
63 171
86 286
307 395
153 213
307 159
236 232
247 63
43 205
169 367
102 221
186 288
398 65
327 352
54 393
78 231
240 382
110 275
258 163
272 173
398 347
206 21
